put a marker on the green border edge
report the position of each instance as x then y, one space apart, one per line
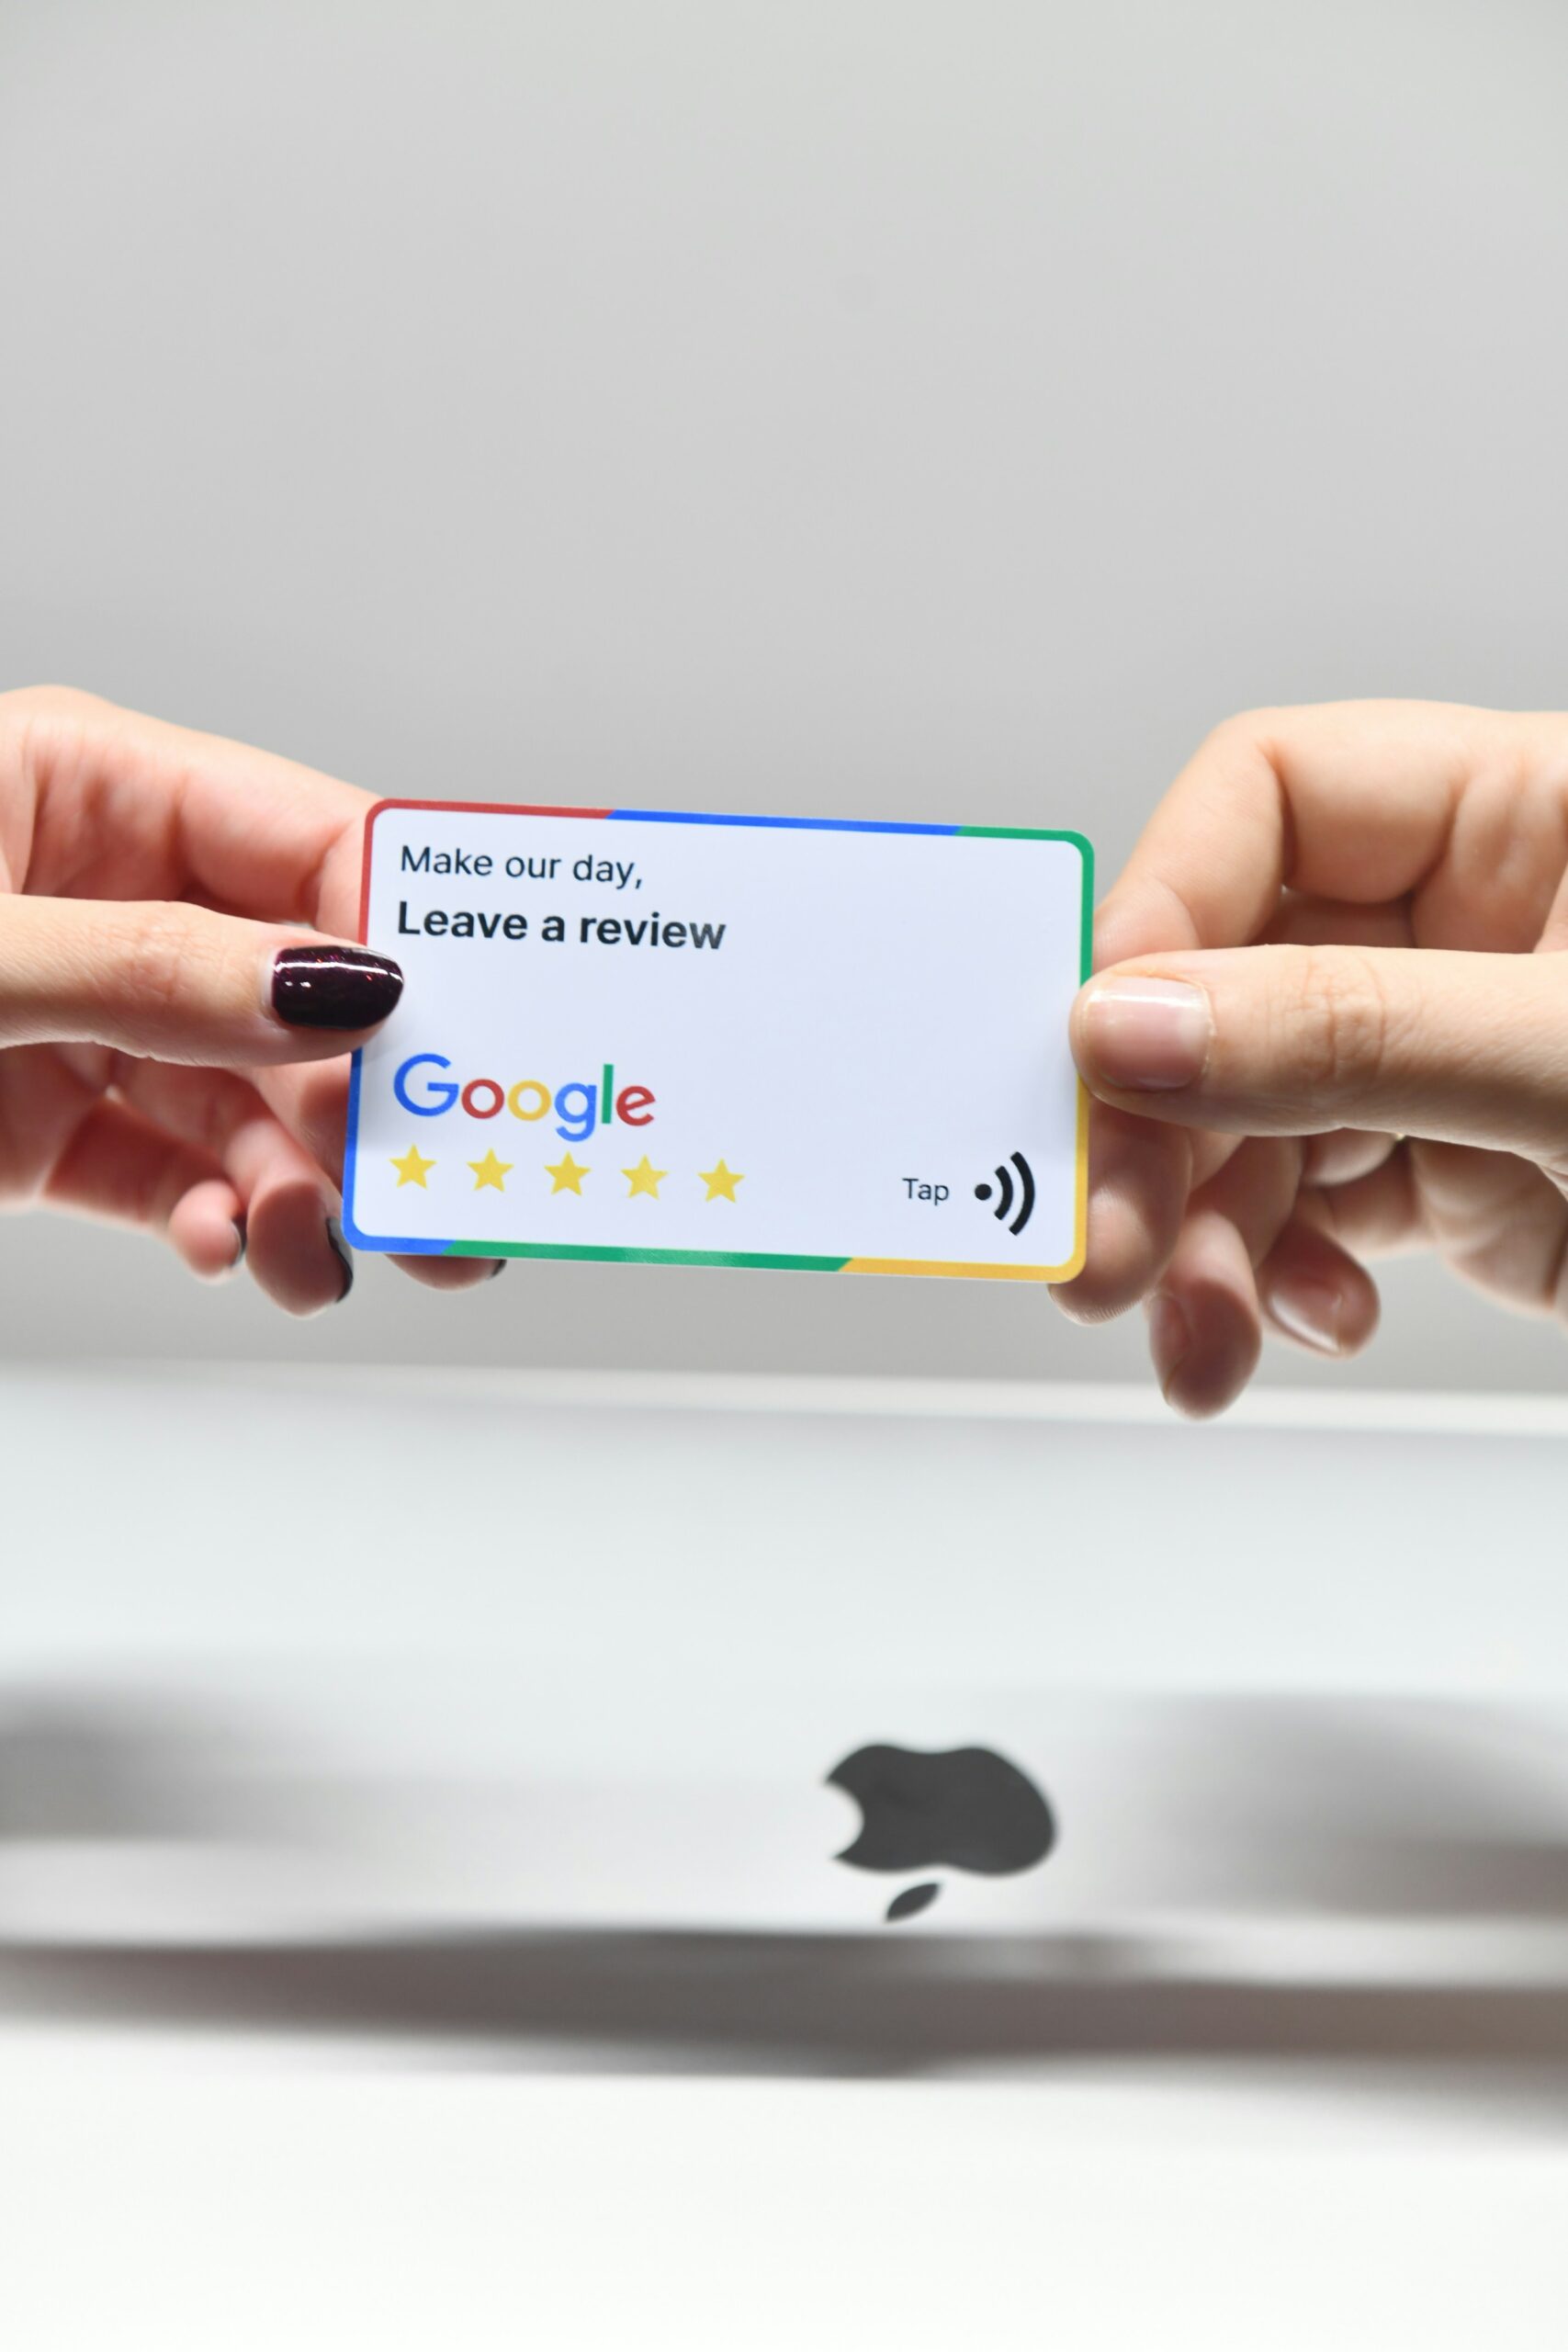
641 1257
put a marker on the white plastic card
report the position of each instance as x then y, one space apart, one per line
722 1041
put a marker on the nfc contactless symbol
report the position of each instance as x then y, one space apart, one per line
968 1807
1004 1187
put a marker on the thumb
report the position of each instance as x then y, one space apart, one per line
182 984
1464 1048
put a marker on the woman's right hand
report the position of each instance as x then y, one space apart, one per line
1329 1020
173 1025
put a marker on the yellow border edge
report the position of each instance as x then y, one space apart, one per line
981 1273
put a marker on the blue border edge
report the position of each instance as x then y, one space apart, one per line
788 824
399 1245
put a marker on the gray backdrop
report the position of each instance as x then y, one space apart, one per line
900 410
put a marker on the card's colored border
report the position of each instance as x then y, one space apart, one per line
416 1246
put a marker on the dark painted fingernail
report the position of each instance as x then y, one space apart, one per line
333 988
344 1255
238 1259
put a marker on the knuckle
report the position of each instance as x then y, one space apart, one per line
1338 1014
46 735
1244 730
1227 737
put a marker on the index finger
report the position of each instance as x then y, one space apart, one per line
96 802
1352 801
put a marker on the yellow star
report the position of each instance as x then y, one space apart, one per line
721 1181
491 1171
412 1168
644 1178
567 1176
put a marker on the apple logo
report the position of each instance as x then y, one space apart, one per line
965 1806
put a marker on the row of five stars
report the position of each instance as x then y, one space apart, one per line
567 1176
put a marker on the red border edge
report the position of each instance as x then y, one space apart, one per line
463 808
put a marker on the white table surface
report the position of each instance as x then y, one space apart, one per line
237 2178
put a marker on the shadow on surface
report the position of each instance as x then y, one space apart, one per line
811 2004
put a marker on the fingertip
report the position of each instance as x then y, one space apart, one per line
294 1256
1140 1033
1313 1293
1204 1349
1170 1338
207 1230
1140 1175
451 1273
1205 1333
344 1255
1135 920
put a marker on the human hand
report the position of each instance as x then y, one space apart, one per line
1329 1020
159 1065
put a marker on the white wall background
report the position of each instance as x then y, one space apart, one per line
863 406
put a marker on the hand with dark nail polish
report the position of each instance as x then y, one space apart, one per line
183 1064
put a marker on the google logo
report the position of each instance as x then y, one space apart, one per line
580 1106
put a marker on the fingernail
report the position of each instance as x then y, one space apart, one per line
333 988
1147 1034
499 1267
344 1255
238 1259
1171 1336
1310 1312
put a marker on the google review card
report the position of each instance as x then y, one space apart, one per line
722 1041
